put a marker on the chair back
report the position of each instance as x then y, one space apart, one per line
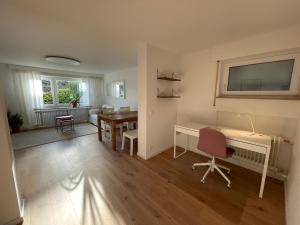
107 110
125 109
106 106
212 142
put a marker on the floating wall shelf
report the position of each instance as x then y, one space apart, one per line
167 76
168 79
167 96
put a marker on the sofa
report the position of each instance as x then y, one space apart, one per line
94 112
93 116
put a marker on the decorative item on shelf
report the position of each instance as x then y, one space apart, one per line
177 91
165 94
169 76
161 93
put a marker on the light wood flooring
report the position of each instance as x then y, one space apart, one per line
82 181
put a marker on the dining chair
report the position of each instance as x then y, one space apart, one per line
128 125
213 142
107 126
104 125
131 134
107 110
124 109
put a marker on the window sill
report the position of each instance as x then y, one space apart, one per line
266 97
61 108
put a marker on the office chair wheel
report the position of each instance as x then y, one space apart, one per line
202 181
228 171
229 186
193 167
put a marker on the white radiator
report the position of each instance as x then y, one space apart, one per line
255 161
46 117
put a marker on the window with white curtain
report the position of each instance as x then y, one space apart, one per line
60 91
33 90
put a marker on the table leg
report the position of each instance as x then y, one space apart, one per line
264 174
113 135
99 130
186 146
186 143
174 153
42 120
56 127
135 125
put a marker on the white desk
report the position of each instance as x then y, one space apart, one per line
235 138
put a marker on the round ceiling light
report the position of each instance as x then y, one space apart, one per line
63 60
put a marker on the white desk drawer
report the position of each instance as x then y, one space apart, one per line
245 145
187 131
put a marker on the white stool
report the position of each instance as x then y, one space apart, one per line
131 134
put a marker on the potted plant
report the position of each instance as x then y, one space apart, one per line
75 100
74 96
15 122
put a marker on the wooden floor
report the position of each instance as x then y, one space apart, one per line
82 181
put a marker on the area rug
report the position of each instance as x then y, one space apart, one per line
49 135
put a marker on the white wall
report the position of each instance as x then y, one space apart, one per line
7 86
9 206
130 77
156 116
143 131
292 185
277 117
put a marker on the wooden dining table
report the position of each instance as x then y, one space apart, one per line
113 119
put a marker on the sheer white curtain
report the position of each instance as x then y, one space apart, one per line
95 91
83 88
28 92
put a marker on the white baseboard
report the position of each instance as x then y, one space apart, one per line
157 153
141 156
152 154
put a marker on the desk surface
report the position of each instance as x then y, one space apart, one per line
230 133
116 116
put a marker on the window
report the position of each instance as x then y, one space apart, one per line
67 91
47 92
270 76
59 91
274 75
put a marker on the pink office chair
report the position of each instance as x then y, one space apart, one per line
213 142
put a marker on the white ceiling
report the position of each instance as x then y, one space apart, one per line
104 34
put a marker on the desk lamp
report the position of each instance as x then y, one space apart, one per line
250 118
